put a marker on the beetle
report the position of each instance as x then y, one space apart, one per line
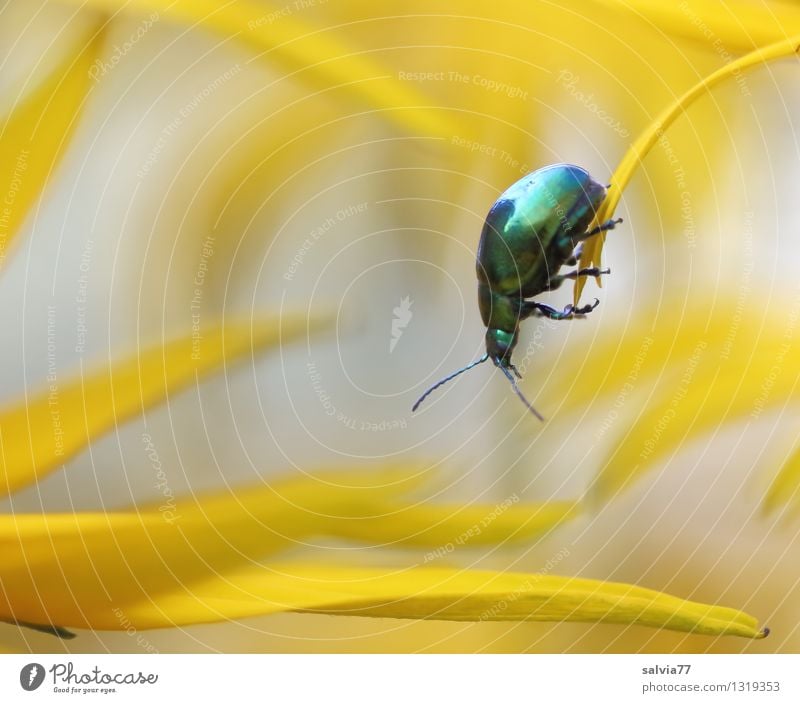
535 227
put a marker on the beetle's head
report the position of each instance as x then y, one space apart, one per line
500 345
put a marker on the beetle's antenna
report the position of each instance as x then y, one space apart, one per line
514 385
485 357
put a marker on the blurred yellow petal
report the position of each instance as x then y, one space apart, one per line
193 563
446 594
75 567
313 53
554 99
591 254
706 391
785 489
37 132
417 593
657 344
55 630
40 432
119 558
723 25
451 527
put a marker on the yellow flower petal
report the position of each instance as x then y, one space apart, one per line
54 630
445 594
35 135
193 564
84 567
451 527
420 593
734 27
785 489
312 53
705 393
41 432
76 567
591 254
657 343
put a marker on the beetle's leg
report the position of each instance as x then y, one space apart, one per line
585 309
584 272
575 256
556 281
531 307
610 224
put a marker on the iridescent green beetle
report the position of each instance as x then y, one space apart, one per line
533 229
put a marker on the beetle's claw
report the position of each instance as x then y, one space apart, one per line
585 310
607 225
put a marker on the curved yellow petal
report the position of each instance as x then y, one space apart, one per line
416 593
689 406
68 567
315 54
671 376
49 629
730 27
658 344
36 133
445 594
785 488
590 256
447 528
42 431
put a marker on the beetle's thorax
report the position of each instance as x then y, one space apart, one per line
498 310
501 315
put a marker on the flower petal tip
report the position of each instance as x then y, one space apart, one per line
60 632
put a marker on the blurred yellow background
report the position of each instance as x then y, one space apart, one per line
208 178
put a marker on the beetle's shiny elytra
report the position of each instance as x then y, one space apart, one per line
534 228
